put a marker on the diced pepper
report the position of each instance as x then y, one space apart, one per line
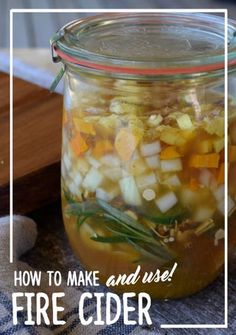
170 153
101 148
221 174
84 127
204 161
125 143
78 144
232 153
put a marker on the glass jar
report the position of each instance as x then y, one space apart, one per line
143 146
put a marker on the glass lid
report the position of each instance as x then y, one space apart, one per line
150 43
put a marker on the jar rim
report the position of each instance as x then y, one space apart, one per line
147 44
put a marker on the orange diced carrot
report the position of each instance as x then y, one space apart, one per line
126 143
194 184
102 147
78 144
221 174
84 127
170 153
232 153
204 161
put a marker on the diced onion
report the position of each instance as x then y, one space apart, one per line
130 191
92 180
94 162
110 160
146 180
112 173
76 177
150 149
107 195
172 181
166 202
153 161
169 165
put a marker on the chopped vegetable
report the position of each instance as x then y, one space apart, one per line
146 180
204 161
111 160
78 144
107 194
101 148
219 235
204 146
149 194
84 127
172 180
153 161
92 180
170 153
215 126
219 145
154 120
184 122
150 149
126 143
166 202
130 192
170 165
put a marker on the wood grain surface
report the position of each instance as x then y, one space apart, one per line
37 141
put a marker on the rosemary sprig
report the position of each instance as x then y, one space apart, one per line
122 227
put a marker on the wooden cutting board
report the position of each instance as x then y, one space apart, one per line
37 141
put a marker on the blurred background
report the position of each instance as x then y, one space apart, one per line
35 30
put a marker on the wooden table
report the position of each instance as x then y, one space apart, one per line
36 145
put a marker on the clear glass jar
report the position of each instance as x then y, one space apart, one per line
143 146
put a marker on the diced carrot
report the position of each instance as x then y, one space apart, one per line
125 143
204 161
84 127
232 153
170 153
221 174
102 147
194 184
78 144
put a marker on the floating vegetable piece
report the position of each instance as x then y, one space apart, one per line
101 148
146 180
170 153
166 202
149 194
92 180
170 165
126 142
130 192
150 149
153 161
84 127
215 126
184 122
78 144
204 146
204 161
